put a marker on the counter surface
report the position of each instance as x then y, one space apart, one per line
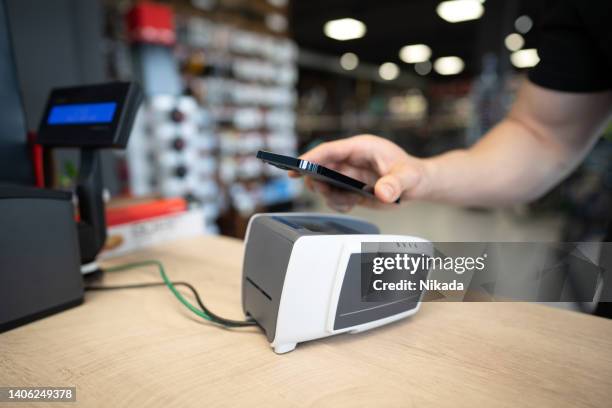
141 347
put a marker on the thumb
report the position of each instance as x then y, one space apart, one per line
401 178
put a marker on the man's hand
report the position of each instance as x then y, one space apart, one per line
373 160
542 140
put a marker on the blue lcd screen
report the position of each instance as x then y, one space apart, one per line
82 113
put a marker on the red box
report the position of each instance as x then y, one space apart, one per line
151 23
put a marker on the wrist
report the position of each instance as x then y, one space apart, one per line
424 189
416 177
440 176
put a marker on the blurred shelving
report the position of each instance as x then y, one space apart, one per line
222 90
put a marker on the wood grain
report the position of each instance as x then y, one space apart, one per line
141 347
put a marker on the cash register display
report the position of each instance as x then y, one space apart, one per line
94 116
82 113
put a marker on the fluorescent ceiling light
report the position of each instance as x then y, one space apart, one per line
523 24
276 22
455 11
388 71
449 65
278 3
349 61
412 54
514 42
344 29
422 68
525 58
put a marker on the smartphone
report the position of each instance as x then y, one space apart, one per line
318 172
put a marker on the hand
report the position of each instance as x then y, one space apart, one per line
373 160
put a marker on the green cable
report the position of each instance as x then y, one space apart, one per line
167 281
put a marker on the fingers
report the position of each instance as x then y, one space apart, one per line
336 199
342 201
400 181
366 158
328 152
355 149
317 186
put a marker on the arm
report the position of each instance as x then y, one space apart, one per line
544 137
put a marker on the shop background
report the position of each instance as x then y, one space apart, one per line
244 75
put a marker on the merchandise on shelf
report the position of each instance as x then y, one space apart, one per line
247 79
217 93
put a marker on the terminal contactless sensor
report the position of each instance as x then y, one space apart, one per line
301 277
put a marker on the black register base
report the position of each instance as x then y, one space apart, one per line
39 255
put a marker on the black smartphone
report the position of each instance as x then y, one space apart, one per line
317 172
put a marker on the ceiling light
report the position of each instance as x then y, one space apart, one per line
388 71
523 24
412 54
276 22
455 11
344 29
449 65
278 3
349 61
514 42
422 68
525 58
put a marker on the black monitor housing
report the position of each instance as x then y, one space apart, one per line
90 118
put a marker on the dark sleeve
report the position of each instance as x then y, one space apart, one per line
573 49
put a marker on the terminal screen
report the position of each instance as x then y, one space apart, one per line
82 113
